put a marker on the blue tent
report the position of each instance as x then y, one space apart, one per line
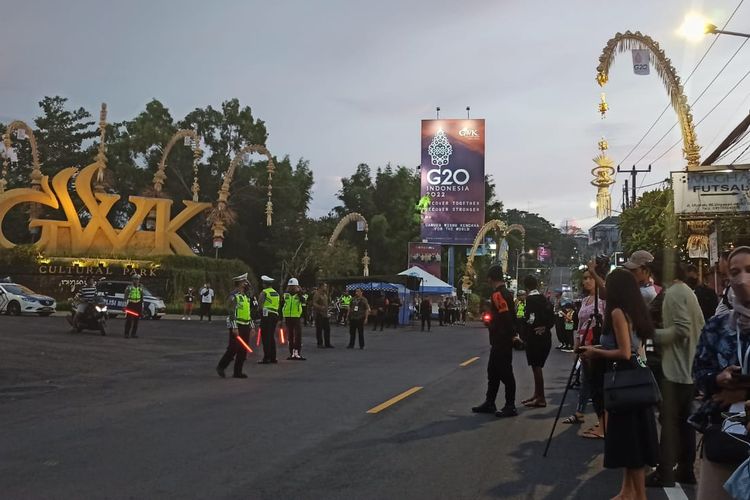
378 286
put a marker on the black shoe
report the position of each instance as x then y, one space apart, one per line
655 480
134 336
361 347
264 362
273 361
508 411
350 347
321 346
220 372
684 476
290 358
329 346
239 375
485 407
301 358
126 336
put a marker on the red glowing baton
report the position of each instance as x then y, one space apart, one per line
130 312
257 341
281 335
244 344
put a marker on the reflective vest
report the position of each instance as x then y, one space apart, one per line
292 306
346 301
242 309
521 309
135 294
271 300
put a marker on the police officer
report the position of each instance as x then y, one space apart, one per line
500 366
269 300
520 310
346 302
292 313
134 307
239 324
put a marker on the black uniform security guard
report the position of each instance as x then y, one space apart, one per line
269 302
239 325
500 366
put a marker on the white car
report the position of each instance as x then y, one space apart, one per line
17 299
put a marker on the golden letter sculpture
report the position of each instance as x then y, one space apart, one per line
69 237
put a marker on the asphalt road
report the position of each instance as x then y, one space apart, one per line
84 416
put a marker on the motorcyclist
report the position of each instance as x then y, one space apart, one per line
86 298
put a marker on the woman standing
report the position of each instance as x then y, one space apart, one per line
539 317
630 440
188 310
584 337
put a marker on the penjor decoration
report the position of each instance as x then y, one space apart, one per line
603 173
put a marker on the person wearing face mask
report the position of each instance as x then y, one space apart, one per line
720 371
706 297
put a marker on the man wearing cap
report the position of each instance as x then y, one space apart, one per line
639 264
321 301
269 300
239 325
134 308
292 312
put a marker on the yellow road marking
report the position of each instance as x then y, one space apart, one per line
469 361
394 400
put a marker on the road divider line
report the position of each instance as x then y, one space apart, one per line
394 400
469 361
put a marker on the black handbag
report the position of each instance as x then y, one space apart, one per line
630 386
719 447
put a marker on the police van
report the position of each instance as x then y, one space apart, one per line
114 295
17 299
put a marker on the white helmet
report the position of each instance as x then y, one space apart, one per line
293 282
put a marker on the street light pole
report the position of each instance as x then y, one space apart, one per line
712 29
518 256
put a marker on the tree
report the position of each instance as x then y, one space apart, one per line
61 134
650 224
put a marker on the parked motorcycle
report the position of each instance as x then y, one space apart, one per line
94 316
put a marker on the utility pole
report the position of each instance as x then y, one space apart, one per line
625 201
633 177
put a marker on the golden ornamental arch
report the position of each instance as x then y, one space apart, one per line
345 221
663 66
221 215
161 172
493 225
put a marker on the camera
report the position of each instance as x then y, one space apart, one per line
601 266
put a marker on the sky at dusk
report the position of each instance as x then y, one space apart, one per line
346 82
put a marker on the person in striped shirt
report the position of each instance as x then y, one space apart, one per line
86 295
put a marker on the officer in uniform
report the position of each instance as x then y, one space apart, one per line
292 312
269 300
134 307
500 366
239 324
346 302
520 310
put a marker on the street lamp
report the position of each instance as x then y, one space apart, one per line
518 256
695 26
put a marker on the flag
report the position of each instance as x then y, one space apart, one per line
641 60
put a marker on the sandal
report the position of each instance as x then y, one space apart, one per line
535 404
573 419
527 401
591 435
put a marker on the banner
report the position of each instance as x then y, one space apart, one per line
641 59
543 254
452 170
719 192
426 256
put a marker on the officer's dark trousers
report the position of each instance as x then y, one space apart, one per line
205 310
294 333
235 350
379 320
131 321
500 369
322 329
268 335
427 319
357 326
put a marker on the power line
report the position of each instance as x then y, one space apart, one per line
740 155
704 116
697 98
713 42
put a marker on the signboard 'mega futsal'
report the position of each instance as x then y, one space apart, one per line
453 177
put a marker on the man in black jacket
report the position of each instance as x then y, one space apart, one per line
501 329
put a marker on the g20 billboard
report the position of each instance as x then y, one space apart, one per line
452 170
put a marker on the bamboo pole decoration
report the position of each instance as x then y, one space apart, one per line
269 203
197 153
603 179
36 170
160 176
663 67
101 156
